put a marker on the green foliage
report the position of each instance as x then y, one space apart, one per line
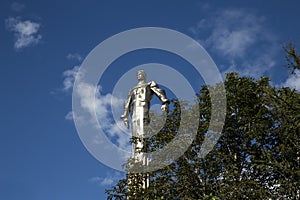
257 156
292 57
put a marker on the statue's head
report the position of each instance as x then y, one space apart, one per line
141 75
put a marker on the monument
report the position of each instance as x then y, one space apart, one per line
138 105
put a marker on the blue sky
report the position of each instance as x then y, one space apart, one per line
42 42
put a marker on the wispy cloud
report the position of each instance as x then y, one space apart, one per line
108 180
69 78
232 32
26 32
69 116
74 56
17 7
293 81
93 101
240 38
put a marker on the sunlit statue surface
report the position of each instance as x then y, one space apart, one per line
138 104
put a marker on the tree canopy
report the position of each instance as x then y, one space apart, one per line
256 157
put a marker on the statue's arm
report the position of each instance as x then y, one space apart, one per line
127 110
161 94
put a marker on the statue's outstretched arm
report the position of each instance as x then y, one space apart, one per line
161 94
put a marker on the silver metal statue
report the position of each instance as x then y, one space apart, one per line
140 96
137 105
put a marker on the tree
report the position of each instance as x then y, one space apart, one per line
257 156
292 57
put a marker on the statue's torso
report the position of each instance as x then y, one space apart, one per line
141 96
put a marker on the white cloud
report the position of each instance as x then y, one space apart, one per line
293 81
93 101
74 56
69 116
17 7
108 180
70 76
231 31
25 32
241 39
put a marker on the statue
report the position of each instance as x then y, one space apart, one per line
138 104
